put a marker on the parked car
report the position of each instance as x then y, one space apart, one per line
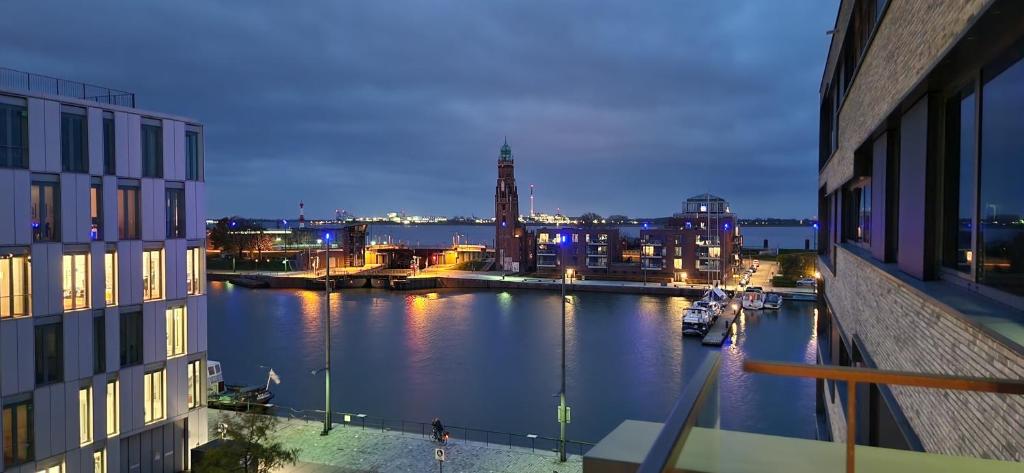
806 282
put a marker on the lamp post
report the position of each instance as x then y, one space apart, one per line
327 338
563 418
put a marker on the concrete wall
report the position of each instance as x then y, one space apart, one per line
903 329
55 413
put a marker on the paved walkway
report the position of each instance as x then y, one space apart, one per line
351 449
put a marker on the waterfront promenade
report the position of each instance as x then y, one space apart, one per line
353 449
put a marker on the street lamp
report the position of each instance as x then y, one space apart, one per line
327 337
563 410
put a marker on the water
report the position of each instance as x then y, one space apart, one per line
491 360
754 236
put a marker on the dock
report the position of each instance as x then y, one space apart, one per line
720 330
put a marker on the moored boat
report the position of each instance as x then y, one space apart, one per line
772 300
236 397
753 298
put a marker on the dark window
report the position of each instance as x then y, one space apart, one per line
961 183
109 146
45 211
49 353
13 136
73 143
99 343
18 433
193 159
1001 232
96 210
131 338
152 151
128 213
175 213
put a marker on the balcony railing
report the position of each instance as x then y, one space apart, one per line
692 440
14 79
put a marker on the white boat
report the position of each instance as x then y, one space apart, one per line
697 320
772 300
753 298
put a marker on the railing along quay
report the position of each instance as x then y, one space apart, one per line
496 438
20 80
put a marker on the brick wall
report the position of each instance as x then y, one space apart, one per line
912 35
904 330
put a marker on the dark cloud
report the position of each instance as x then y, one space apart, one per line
615 107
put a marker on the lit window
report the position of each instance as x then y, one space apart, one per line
96 210
18 434
85 415
128 212
76 281
15 286
113 407
678 263
99 461
58 468
194 384
175 331
152 274
45 209
193 270
110 278
154 388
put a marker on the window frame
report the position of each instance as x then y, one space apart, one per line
152 384
129 192
110 285
113 402
76 257
74 153
86 415
194 383
10 412
43 375
194 270
14 107
176 322
148 285
152 167
9 258
36 209
174 210
96 209
130 326
194 164
109 144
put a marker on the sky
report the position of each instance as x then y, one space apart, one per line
377 106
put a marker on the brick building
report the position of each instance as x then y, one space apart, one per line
922 218
587 251
513 245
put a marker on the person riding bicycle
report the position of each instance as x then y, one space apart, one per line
438 427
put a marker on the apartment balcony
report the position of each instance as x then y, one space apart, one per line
652 263
597 250
546 261
597 262
547 249
652 242
691 438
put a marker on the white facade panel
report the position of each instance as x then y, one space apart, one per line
167 128
154 332
113 340
7 207
121 165
26 350
85 344
22 207
36 135
41 422
68 208
59 420
99 407
133 147
110 208
201 306
70 334
174 257
97 282
51 129
94 130
40 279
179 151
54 277
83 215
71 435
136 271
9 352
191 214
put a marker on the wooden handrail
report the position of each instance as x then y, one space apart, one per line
875 376
854 375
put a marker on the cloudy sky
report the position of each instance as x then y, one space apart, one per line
613 107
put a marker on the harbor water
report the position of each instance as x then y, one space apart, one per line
491 359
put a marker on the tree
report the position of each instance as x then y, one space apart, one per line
590 218
237 235
618 219
247 447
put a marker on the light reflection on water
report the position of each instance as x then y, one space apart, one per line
492 359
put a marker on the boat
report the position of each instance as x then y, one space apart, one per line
772 300
697 320
236 397
753 298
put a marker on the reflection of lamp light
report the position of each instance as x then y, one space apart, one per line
817 275
970 256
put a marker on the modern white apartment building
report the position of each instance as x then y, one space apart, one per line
102 305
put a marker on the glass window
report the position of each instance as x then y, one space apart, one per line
153 402
110 278
193 270
18 434
96 210
109 146
76 281
194 383
1001 232
85 415
45 211
73 146
128 213
15 285
131 338
113 407
58 468
99 342
175 204
678 263
99 461
152 151
152 274
193 158
961 182
175 331
13 136
49 353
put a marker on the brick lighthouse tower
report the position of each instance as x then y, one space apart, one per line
512 243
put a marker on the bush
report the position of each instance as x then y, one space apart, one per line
797 265
782 281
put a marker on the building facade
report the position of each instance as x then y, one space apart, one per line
102 286
587 250
513 246
921 246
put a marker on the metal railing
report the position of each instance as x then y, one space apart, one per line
495 438
14 79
